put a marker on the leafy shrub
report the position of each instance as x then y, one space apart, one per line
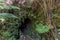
9 28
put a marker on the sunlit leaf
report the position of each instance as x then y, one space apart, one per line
8 15
40 28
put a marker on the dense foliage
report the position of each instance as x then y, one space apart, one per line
29 20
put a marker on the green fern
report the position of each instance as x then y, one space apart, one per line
9 27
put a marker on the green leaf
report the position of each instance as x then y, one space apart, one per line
56 39
8 7
6 33
7 15
40 28
14 7
12 38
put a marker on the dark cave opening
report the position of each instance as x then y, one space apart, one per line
24 24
